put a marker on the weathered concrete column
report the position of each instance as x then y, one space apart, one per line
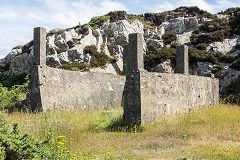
134 54
39 43
37 69
182 65
132 91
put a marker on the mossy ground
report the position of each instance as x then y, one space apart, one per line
205 133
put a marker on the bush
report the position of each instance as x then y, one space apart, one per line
169 37
196 55
225 58
155 56
98 21
236 64
97 59
13 90
202 46
231 93
15 145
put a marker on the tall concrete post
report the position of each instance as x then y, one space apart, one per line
182 65
132 91
39 43
37 69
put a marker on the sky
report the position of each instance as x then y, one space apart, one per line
19 17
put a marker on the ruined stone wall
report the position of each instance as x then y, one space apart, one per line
62 89
52 88
165 94
152 96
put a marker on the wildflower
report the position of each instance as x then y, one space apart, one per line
48 132
108 153
64 148
184 135
68 151
60 136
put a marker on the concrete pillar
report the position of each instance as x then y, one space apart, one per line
182 65
39 43
133 62
134 55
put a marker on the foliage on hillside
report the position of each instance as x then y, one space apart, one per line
12 90
231 93
97 60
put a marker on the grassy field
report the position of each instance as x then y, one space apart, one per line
206 133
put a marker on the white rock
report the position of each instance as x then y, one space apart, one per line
164 67
63 57
11 55
184 38
69 35
180 25
225 47
20 65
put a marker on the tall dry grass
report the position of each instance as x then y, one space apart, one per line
206 133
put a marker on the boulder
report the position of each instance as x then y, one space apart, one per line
226 46
20 65
180 25
164 67
184 38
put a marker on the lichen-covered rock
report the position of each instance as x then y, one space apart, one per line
20 65
52 61
184 38
181 24
164 67
11 55
226 46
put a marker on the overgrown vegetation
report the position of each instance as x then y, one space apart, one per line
169 37
155 56
231 93
12 90
97 60
210 132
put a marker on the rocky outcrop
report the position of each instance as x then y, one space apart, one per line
226 46
181 25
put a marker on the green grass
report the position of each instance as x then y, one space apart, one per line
206 133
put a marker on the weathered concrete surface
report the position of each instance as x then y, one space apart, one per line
61 89
165 94
152 96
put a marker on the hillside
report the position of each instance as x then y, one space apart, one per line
214 42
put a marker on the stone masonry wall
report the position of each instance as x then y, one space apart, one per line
63 89
165 94
52 88
151 96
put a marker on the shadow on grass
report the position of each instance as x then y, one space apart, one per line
118 125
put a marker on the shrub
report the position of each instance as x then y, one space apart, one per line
169 37
15 145
236 64
98 21
12 90
226 58
197 55
202 46
231 93
97 59
155 56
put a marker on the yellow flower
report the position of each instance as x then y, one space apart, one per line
68 151
48 132
60 136
64 148
109 153
185 135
